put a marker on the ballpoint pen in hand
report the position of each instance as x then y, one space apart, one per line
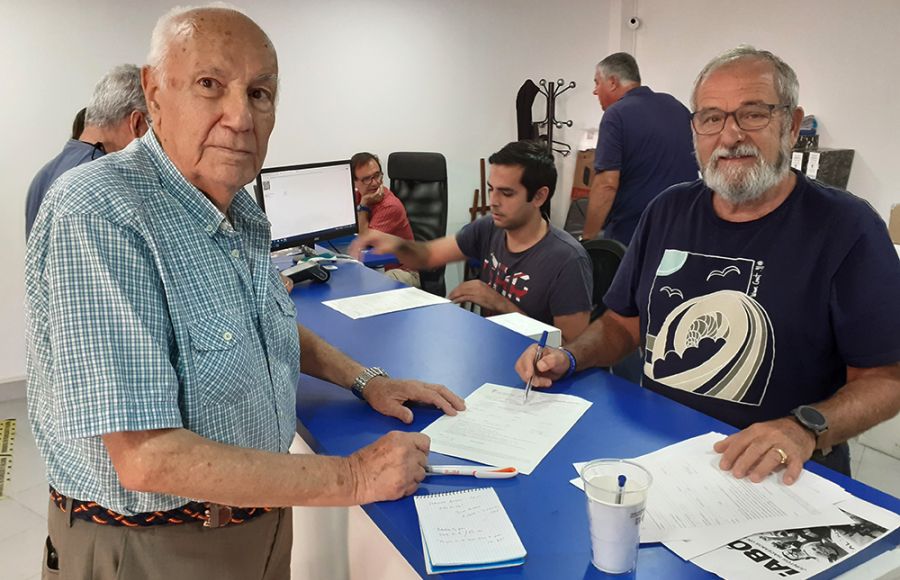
537 357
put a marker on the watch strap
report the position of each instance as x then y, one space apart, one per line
359 384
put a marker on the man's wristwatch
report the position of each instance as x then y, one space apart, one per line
363 379
813 420
364 208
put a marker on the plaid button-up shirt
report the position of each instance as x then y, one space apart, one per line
146 309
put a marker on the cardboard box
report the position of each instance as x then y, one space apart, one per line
528 327
894 222
584 173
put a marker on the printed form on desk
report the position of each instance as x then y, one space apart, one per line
694 507
499 428
377 303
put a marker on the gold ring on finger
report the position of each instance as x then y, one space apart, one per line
782 454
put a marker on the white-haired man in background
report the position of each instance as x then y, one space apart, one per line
116 115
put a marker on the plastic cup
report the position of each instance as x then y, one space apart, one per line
615 512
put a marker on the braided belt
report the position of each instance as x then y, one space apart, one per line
212 515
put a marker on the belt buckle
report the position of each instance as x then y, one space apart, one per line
217 516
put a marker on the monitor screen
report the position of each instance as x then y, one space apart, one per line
307 203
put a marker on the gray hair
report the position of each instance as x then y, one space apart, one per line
621 65
117 94
786 84
177 24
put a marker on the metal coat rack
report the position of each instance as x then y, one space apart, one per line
551 90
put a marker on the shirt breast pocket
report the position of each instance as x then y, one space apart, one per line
222 364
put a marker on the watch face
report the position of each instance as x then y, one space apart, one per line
812 417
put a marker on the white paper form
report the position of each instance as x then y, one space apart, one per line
499 428
694 507
800 553
692 499
384 302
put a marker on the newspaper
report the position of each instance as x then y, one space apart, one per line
802 552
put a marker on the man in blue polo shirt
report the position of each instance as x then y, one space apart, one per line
644 146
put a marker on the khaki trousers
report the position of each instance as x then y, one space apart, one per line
410 278
258 549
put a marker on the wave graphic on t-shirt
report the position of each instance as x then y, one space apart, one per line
718 342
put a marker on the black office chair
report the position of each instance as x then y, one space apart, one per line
606 255
420 181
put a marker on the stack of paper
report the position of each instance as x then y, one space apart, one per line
467 530
706 515
500 428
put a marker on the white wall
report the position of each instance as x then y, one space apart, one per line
442 75
420 75
844 53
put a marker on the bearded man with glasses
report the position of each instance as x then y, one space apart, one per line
760 297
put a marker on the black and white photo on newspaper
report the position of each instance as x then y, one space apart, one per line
802 552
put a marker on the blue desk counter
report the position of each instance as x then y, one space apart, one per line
446 344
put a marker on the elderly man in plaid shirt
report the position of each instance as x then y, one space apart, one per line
163 352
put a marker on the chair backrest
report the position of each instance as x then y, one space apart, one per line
606 255
420 181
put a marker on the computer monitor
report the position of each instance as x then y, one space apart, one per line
307 203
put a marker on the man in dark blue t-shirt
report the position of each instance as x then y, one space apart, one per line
644 146
761 298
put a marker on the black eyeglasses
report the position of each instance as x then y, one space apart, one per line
370 179
748 117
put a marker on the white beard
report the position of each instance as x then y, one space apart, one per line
738 185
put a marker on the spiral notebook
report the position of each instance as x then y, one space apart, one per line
467 530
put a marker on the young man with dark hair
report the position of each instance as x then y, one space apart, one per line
378 208
527 265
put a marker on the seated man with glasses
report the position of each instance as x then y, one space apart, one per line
760 297
378 208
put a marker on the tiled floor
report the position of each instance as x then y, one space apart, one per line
23 515
24 511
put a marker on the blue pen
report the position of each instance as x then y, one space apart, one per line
537 357
621 490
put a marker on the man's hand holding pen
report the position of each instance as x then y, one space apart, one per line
552 365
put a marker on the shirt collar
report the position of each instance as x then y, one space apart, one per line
639 90
195 203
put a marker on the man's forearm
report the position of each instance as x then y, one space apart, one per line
321 360
500 305
414 255
600 202
604 343
865 401
180 462
362 220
